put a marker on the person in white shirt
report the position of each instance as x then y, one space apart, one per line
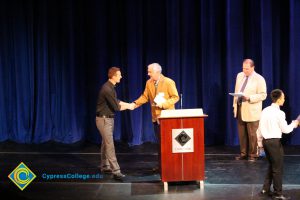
271 126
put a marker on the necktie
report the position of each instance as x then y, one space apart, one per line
242 90
155 85
244 84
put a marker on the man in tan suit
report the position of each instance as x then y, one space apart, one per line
247 109
162 85
158 83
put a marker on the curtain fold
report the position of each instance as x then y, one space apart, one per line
54 57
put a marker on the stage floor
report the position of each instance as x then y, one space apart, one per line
226 178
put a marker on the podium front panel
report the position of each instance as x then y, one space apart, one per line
187 166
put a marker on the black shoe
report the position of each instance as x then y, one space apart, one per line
106 171
119 176
155 169
280 197
252 159
266 192
241 158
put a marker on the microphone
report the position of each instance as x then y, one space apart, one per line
180 100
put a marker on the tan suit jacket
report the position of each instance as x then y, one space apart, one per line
165 85
256 90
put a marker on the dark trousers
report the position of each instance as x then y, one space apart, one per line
156 128
274 153
247 136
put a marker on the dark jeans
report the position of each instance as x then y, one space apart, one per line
274 153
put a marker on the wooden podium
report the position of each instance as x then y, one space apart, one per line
182 146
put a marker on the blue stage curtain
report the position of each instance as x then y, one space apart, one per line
54 57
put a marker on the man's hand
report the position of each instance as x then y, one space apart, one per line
160 105
131 106
296 123
245 98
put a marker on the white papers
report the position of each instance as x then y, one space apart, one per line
196 112
239 94
159 99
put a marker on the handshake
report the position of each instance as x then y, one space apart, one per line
127 106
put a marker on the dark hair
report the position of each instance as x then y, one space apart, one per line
250 61
275 95
112 71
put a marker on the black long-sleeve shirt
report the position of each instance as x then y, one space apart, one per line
107 103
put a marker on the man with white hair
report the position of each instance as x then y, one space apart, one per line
158 84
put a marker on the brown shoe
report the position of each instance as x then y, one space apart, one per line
118 176
252 159
241 158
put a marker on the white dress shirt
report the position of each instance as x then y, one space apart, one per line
244 78
272 124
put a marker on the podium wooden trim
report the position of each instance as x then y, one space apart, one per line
186 166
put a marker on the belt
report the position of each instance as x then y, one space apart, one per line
105 116
272 139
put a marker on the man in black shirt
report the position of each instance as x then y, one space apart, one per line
107 105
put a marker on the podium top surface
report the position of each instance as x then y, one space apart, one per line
197 112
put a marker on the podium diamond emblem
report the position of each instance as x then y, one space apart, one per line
182 138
